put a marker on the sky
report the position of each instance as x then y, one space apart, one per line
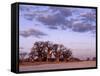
73 27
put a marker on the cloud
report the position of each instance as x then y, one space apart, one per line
86 23
53 20
24 8
62 10
60 17
88 16
29 16
53 27
29 12
57 19
32 32
82 27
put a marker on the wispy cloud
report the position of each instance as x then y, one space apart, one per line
32 32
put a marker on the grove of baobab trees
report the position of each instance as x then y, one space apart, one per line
47 51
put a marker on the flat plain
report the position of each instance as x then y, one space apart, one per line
60 65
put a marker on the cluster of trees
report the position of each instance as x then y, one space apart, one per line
47 51
93 59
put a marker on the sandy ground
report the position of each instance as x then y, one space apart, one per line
68 65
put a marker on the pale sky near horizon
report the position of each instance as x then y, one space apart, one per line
75 28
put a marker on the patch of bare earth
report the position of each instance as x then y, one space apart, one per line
54 65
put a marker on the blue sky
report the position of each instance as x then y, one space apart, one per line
72 27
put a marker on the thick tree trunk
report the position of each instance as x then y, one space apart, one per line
57 60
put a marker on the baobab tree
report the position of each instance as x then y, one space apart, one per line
67 54
39 49
61 51
57 52
49 47
45 50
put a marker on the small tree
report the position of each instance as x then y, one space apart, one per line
94 58
22 56
88 59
